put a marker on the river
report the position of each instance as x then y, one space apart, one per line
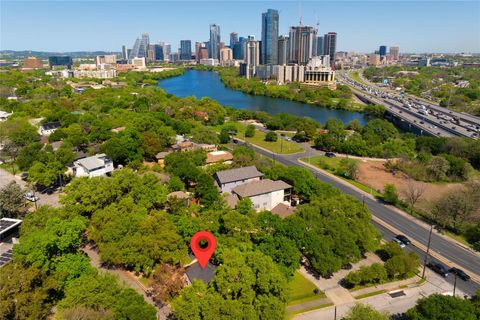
208 84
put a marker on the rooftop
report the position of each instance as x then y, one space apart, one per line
216 156
7 224
51 125
237 174
93 162
260 187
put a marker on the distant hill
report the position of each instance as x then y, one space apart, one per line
15 55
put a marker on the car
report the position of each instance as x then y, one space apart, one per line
330 155
30 196
24 176
403 239
347 266
400 243
438 268
460 273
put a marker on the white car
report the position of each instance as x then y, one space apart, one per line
30 196
400 243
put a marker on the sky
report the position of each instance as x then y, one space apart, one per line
362 26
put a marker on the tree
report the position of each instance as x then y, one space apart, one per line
124 147
442 307
243 156
224 136
45 174
348 168
168 281
64 154
414 192
438 168
29 154
390 194
151 144
271 136
354 125
250 131
19 131
205 135
12 201
175 184
402 265
456 208
365 312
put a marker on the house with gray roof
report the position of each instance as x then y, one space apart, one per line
265 194
94 166
226 180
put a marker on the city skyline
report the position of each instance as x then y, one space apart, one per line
372 19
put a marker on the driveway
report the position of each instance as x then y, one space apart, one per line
44 199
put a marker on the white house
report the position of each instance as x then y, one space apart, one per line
265 194
97 165
47 129
226 180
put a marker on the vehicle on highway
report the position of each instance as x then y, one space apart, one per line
330 155
403 239
438 268
400 243
30 196
460 273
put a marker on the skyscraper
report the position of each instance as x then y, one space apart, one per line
140 47
302 44
383 51
252 52
330 46
395 52
185 50
320 46
159 56
214 43
124 53
270 37
233 39
282 50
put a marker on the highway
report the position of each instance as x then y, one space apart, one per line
427 117
466 259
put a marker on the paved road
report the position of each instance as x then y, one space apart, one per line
409 227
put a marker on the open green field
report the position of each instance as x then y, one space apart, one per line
301 290
280 146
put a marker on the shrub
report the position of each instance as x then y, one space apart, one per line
390 194
271 136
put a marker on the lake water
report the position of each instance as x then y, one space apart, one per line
208 84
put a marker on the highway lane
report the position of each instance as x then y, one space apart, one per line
408 227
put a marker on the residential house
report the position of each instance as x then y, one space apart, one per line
228 179
47 129
219 156
94 166
161 157
265 194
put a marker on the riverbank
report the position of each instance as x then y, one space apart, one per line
341 99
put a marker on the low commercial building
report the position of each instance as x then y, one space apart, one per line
209 62
265 194
226 180
98 74
97 165
32 63
139 63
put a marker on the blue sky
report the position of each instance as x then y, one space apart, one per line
415 26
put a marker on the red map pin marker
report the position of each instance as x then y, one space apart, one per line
203 254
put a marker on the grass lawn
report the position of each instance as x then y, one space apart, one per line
355 76
301 290
371 294
331 164
280 146
290 315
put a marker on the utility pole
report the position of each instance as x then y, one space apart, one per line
335 315
428 250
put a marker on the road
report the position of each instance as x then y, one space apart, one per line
432 119
412 228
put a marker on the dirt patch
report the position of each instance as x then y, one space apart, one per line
374 174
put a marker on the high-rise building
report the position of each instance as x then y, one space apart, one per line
374 59
395 52
202 54
320 49
214 43
382 51
32 63
270 37
185 49
151 54
330 46
233 39
167 50
251 56
159 56
60 61
124 52
140 47
239 48
282 50
302 44
110 58
226 55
